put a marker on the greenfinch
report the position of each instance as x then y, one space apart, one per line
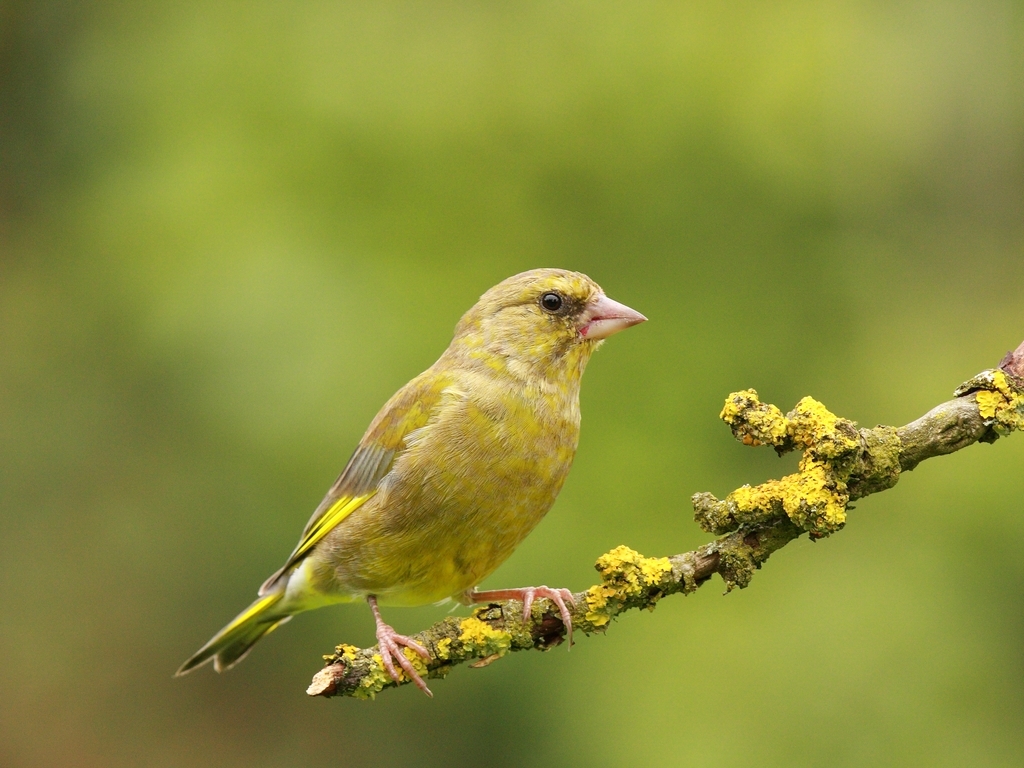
456 469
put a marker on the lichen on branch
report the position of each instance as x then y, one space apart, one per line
1000 402
815 498
839 464
628 580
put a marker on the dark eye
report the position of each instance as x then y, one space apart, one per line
551 302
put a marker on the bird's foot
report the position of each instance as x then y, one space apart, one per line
391 643
527 595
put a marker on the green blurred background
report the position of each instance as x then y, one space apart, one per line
229 231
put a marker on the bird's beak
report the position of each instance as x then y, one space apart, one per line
604 317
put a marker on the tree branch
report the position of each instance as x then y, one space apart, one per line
840 464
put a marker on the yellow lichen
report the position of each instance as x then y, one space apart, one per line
808 426
1000 403
810 421
631 569
816 500
597 605
757 498
444 648
418 662
754 422
1003 404
342 653
988 402
813 498
737 404
374 680
479 638
377 677
813 426
626 575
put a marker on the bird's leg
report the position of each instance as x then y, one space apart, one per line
527 595
390 652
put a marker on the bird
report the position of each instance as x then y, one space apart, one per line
451 475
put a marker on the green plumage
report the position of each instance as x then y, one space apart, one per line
456 469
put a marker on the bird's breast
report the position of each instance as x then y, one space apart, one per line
469 486
491 449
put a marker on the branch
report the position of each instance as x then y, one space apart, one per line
840 464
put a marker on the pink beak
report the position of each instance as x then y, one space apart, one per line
604 317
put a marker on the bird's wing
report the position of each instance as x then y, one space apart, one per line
409 409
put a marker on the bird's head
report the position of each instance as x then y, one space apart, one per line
541 322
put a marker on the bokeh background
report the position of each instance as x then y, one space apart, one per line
230 230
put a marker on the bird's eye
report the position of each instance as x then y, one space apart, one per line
551 302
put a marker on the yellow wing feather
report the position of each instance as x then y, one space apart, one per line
334 514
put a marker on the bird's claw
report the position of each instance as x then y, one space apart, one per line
559 597
391 644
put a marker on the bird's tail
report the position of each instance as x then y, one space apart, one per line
231 644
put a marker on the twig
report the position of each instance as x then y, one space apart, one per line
840 463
